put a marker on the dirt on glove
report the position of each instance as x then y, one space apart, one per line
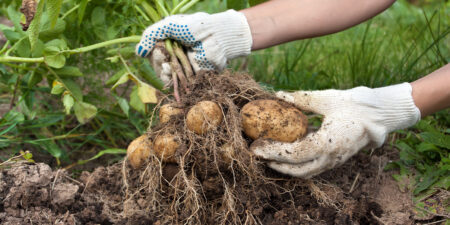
207 185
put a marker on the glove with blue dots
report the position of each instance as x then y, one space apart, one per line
212 39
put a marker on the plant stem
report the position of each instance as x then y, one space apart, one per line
178 7
188 6
161 9
5 47
150 11
142 13
131 39
70 11
20 59
176 67
184 61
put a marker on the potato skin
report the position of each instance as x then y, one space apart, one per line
138 151
165 147
270 119
203 117
167 111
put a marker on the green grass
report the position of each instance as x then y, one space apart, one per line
402 44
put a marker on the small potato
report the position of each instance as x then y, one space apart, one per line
270 119
138 151
203 117
167 111
165 147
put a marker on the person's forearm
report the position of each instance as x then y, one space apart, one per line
432 93
280 21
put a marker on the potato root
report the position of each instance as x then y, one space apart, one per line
167 111
138 151
203 117
270 119
165 147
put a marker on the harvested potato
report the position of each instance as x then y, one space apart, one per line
167 111
138 151
165 147
271 119
203 117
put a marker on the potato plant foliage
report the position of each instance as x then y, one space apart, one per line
75 59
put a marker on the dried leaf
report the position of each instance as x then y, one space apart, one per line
28 9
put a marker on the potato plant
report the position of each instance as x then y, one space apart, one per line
74 58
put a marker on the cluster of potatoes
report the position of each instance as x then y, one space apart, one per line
260 119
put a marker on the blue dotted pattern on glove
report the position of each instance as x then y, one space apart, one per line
179 33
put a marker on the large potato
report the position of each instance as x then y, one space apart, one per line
165 147
167 111
138 151
270 119
203 117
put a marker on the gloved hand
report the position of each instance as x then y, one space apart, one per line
353 119
212 39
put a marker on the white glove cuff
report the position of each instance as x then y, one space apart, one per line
234 32
398 110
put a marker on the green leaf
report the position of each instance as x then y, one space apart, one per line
14 16
50 147
60 44
425 147
73 88
35 26
49 32
12 35
438 139
237 4
55 61
68 102
52 53
23 48
84 111
149 75
69 71
135 101
123 79
34 79
112 151
57 88
53 9
255 2
123 104
112 80
81 10
98 20
147 93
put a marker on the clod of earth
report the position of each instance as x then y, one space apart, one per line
273 119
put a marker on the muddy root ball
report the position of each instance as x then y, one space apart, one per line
138 151
274 120
203 117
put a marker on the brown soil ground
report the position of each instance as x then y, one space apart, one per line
359 192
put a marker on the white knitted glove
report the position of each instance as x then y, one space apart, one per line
212 39
353 119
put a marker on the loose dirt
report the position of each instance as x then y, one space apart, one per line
34 194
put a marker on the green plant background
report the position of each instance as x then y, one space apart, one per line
63 109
